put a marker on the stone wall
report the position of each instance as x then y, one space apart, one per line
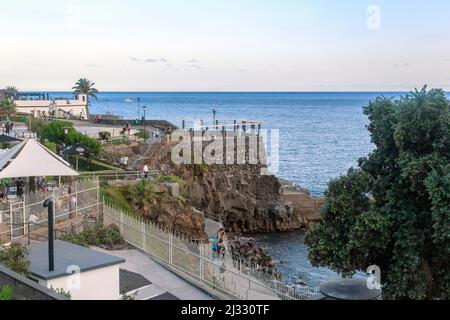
24 288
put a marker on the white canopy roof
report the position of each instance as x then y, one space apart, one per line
32 159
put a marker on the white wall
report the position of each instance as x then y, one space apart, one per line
100 284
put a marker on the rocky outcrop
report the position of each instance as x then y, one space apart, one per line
252 255
183 220
236 195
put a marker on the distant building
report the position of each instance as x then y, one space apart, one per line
65 109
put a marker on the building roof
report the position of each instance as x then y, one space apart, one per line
67 255
32 159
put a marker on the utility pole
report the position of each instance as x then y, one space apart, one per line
143 122
139 107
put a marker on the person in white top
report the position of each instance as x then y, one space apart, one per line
146 171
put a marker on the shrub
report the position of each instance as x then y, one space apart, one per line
99 236
142 135
105 136
16 259
6 293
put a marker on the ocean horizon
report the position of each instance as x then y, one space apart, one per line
322 134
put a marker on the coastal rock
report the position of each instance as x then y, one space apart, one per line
237 195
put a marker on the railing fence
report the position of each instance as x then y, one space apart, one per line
224 276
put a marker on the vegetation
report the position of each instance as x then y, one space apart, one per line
141 134
91 165
62 292
117 197
140 198
393 211
105 136
141 195
11 92
7 108
16 258
85 86
105 237
54 132
6 293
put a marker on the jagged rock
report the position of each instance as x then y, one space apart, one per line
238 196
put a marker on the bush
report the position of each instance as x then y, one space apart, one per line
142 135
106 237
16 259
6 293
105 136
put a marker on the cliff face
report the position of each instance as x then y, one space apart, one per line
237 195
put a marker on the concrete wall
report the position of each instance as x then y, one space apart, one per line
100 284
25 288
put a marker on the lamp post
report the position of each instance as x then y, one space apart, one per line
144 108
51 252
139 107
66 134
80 151
214 116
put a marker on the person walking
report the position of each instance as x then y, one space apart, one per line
146 171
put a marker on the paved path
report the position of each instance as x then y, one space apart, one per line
163 281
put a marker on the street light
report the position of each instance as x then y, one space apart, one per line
143 122
66 134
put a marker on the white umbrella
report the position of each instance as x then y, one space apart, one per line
32 159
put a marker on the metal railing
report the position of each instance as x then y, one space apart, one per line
23 218
223 276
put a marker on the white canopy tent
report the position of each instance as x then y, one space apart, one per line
32 159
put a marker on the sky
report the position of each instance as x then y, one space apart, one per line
226 45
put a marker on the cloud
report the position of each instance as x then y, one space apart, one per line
447 60
134 59
92 65
192 61
152 60
272 65
168 65
195 66
396 65
163 60
242 70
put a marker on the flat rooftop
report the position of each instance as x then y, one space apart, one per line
67 255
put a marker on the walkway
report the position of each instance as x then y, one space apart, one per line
163 281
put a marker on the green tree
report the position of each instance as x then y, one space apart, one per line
394 210
85 86
55 132
141 196
7 108
11 92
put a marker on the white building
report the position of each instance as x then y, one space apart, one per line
63 108
85 273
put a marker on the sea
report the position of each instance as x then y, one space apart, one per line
321 136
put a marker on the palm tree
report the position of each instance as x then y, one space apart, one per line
85 86
11 92
7 108
141 196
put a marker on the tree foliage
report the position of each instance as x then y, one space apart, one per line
85 86
55 132
394 210
16 259
7 108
